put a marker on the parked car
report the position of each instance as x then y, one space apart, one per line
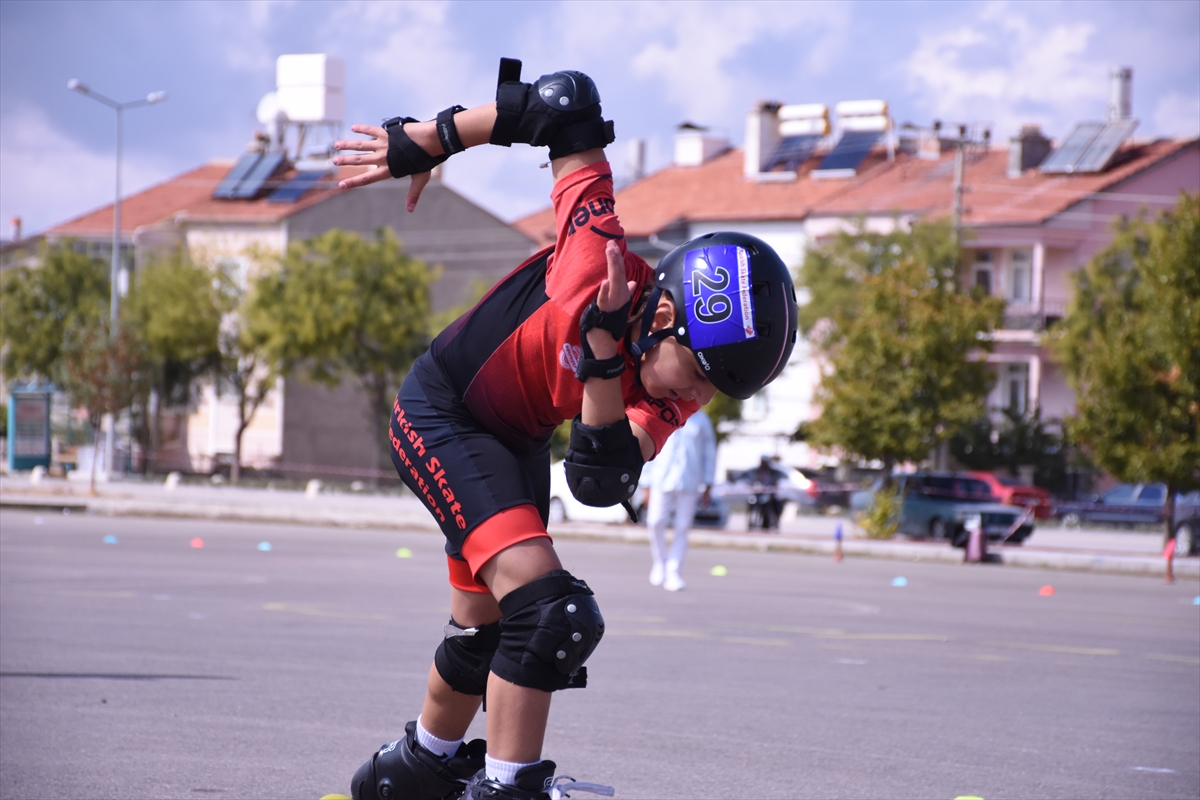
939 504
1187 524
565 508
1129 504
1014 493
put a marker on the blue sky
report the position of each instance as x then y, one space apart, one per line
656 63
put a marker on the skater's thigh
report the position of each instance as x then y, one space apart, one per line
473 609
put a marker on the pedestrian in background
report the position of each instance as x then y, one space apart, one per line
677 479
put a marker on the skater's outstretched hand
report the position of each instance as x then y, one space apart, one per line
614 293
375 150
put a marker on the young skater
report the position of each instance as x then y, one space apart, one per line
586 331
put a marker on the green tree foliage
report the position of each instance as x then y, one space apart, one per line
900 342
101 371
340 304
1019 440
1131 346
42 305
175 308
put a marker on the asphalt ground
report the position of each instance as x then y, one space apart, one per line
150 668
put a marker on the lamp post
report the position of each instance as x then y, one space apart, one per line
154 97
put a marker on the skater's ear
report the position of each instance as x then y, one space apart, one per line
664 313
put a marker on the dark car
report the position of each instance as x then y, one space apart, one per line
1137 504
939 505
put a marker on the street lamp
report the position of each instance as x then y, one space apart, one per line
76 85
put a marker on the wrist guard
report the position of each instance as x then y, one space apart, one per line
406 157
604 463
615 322
561 110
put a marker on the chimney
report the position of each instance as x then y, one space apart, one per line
762 136
694 145
16 229
1027 150
1120 99
635 159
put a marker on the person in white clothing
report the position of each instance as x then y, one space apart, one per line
676 480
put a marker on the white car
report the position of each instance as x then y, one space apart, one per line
565 508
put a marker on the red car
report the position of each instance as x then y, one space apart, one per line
1012 493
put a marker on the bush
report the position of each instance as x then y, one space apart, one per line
883 515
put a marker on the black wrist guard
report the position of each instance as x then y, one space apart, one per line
561 110
615 322
604 463
406 157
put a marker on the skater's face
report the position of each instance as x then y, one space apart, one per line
669 371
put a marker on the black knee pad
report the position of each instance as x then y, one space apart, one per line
404 770
561 110
549 628
464 657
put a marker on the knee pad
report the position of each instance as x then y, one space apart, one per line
404 770
464 657
549 628
561 110
604 463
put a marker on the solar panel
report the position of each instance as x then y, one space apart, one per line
850 151
1104 147
792 151
295 188
252 184
241 169
1073 147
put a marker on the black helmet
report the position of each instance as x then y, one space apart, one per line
739 309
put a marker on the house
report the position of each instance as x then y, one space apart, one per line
301 429
1031 216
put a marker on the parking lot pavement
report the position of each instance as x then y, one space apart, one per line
137 664
1050 547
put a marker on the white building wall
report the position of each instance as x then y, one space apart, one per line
211 427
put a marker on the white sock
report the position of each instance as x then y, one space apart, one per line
439 747
503 771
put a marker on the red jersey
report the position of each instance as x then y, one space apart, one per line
512 357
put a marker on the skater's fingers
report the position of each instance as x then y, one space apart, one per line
615 291
370 176
416 187
374 159
379 136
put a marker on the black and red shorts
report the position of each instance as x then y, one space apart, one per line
484 496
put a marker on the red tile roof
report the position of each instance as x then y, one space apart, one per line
718 190
190 194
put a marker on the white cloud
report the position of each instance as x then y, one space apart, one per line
1004 69
49 177
1177 115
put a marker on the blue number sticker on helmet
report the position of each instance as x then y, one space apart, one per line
717 297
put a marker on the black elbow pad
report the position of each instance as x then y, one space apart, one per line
603 463
561 110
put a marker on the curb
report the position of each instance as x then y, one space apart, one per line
766 543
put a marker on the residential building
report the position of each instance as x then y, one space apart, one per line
1026 226
302 428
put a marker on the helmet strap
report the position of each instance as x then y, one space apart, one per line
647 340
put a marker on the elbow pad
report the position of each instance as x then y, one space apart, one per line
561 110
603 463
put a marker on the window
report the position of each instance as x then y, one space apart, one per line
983 271
1021 273
1018 387
1154 493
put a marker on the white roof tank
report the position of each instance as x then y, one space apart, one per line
311 87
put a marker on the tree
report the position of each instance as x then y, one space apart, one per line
175 309
1130 343
69 290
340 304
101 371
900 340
